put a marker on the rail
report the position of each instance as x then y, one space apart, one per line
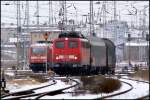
26 91
30 93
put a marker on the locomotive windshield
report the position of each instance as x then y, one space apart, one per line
73 44
60 44
38 50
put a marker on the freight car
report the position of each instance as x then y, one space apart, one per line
75 54
40 56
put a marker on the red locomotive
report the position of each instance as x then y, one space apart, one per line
40 55
75 54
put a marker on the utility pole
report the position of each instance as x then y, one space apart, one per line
115 19
115 24
76 15
27 6
140 25
144 28
50 13
119 16
129 39
91 19
37 12
104 17
18 31
28 19
63 15
144 21
147 39
143 33
28 22
115 9
136 19
27 30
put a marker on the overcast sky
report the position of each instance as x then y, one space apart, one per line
79 8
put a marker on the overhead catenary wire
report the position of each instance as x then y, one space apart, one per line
80 12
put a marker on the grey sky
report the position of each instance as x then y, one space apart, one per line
8 12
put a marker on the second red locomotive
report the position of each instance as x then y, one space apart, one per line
40 56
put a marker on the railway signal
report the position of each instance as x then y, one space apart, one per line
129 39
45 36
3 82
147 39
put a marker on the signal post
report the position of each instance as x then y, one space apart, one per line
46 37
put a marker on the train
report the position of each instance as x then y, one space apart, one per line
40 56
74 54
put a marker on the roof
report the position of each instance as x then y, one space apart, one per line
40 44
137 44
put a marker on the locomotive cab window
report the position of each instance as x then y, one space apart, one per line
38 50
60 44
73 44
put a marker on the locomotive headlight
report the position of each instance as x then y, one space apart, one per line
66 39
57 57
75 58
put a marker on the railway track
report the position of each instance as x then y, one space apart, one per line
25 93
126 91
143 97
131 87
58 91
31 92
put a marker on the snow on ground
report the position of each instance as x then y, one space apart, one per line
140 89
27 87
9 73
85 96
57 86
138 86
11 87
